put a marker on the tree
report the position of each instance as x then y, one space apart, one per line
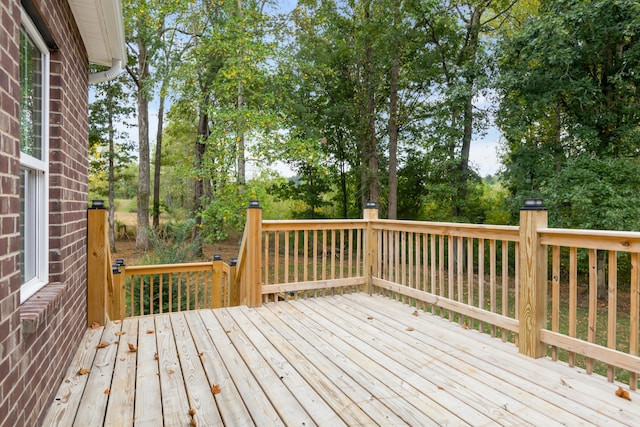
143 26
110 107
569 89
461 33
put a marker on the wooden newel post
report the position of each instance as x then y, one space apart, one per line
370 243
251 291
234 289
97 264
533 279
119 303
216 282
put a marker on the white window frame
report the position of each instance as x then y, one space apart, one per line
39 214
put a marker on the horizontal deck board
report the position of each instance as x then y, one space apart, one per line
350 359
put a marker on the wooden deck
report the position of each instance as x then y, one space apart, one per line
342 360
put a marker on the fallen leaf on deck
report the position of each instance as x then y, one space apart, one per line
620 392
107 392
464 325
440 387
95 325
215 389
415 313
102 345
410 329
117 322
84 371
155 356
193 423
370 318
132 348
119 333
149 331
192 412
171 371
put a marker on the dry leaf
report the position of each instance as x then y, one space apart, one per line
155 356
215 389
107 392
84 371
171 371
132 348
95 325
119 333
370 318
464 325
102 345
410 329
415 313
193 422
440 387
192 412
149 331
624 394
117 322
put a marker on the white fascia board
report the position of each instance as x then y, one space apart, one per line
101 26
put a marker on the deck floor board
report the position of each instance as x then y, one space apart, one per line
337 360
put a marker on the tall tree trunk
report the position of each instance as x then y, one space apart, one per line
392 124
144 179
111 214
157 164
392 128
343 179
469 59
242 178
370 156
201 139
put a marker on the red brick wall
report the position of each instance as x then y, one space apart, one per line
38 338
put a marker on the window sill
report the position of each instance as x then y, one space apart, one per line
38 309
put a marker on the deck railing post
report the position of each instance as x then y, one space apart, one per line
234 290
251 292
119 303
370 214
97 264
216 281
533 279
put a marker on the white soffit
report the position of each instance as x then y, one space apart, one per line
101 26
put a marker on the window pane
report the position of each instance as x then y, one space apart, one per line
28 218
30 97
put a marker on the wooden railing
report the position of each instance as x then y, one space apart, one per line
154 289
115 290
531 285
512 282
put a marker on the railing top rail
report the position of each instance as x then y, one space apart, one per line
624 241
167 268
497 232
313 224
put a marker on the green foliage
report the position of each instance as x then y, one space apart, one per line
224 212
570 111
310 188
595 194
176 244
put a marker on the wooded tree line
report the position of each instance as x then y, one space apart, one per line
377 101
